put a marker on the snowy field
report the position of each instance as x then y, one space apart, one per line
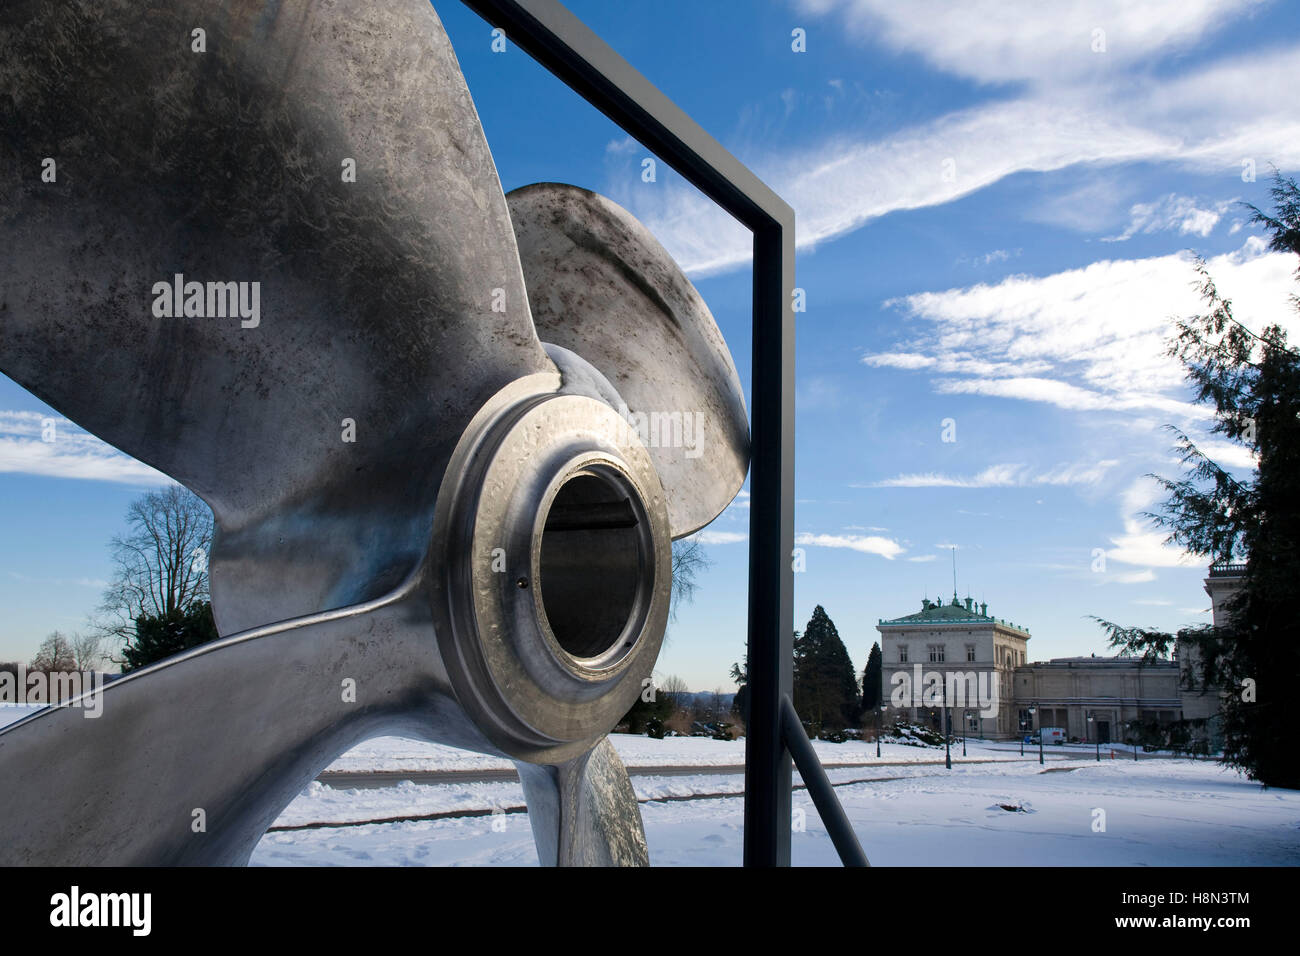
907 809
1157 812
396 754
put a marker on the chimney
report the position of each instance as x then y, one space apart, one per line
968 605
984 609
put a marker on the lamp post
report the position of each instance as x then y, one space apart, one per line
947 727
964 728
1095 736
879 714
1033 709
1020 722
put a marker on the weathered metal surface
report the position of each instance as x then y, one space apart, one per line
375 296
602 286
486 564
584 812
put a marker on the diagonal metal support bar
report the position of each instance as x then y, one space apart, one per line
561 43
819 787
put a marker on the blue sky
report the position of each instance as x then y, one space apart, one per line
996 205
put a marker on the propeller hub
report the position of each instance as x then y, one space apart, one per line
551 570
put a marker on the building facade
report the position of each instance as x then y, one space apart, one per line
1113 691
971 652
1090 698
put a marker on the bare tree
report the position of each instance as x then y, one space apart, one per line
54 654
689 560
88 651
675 689
161 564
679 718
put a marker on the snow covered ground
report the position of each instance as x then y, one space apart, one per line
395 753
910 812
1156 812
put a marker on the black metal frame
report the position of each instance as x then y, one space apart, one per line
565 46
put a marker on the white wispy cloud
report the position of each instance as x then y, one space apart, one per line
1207 118
1173 212
1063 395
720 537
1229 455
70 452
1004 476
1089 339
94 583
867 544
1045 44
988 258
1139 544
621 147
1134 577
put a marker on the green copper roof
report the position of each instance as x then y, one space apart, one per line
953 613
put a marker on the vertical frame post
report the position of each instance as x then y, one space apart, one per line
771 541
562 44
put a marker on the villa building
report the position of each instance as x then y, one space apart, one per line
982 663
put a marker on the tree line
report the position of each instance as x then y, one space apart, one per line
156 603
827 693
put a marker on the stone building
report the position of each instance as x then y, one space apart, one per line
965 647
1112 690
961 645
1222 584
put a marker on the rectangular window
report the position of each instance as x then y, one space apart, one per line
902 653
970 652
936 653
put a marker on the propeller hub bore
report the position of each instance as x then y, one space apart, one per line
552 571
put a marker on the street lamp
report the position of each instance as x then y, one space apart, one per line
1095 736
1020 722
1033 709
947 727
879 713
964 728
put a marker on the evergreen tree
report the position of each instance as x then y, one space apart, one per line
740 676
825 685
871 678
1252 381
162 635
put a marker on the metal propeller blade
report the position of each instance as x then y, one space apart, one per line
426 522
375 297
602 286
189 761
584 811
